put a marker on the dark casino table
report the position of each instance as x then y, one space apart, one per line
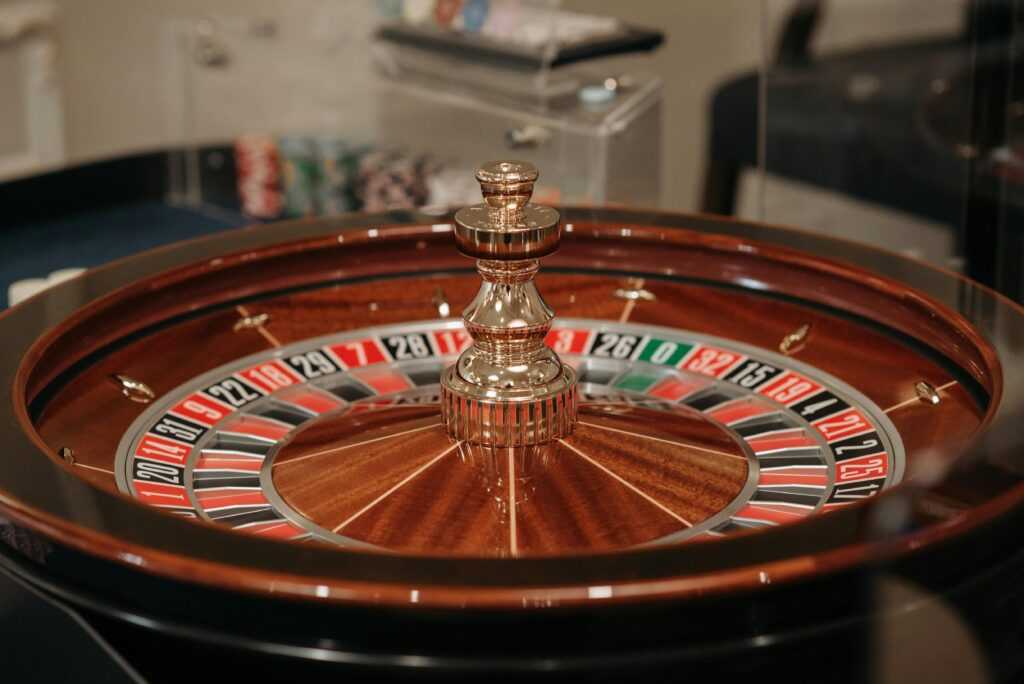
97 212
512 440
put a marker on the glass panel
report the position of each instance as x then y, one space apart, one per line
371 107
894 124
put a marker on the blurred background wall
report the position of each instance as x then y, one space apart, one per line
114 58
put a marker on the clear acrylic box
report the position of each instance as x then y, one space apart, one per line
399 125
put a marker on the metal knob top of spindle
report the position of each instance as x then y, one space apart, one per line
506 226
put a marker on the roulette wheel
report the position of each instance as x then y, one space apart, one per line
651 442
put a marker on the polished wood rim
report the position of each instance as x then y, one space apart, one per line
42 495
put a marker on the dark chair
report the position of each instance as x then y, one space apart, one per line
917 139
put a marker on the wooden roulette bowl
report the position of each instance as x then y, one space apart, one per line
233 446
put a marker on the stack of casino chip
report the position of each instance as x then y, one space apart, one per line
301 175
534 25
339 168
392 180
417 11
298 175
474 15
446 12
259 176
459 15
